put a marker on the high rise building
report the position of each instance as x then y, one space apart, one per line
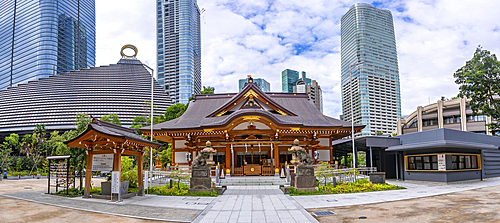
288 80
312 90
367 35
291 83
179 48
261 83
40 38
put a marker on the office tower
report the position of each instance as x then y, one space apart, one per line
313 90
367 35
261 83
40 38
291 83
288 80
179 48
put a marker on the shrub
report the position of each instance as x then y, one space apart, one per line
361 185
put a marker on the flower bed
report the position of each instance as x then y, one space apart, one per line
361 185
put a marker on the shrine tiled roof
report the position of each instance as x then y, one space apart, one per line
302 112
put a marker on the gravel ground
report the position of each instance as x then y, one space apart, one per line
479 205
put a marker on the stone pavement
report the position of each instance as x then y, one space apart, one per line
414 190
254 204
167 208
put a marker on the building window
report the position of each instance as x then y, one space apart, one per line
459 162
476 118
429 122
422 162
450 120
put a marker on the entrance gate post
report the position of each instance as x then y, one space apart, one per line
88 175
139 175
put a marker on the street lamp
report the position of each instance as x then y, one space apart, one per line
151 116
352 113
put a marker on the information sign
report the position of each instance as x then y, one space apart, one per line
115 182
146 179
441 162
102 162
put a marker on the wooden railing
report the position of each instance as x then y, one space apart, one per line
267 171
238 171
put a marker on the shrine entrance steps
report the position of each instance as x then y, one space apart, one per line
252 181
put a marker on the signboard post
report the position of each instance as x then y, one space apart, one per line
115 184
146 176
102 162
441 162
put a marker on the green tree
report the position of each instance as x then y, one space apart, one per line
479 80
35 146
324 172
208 90
10 144
165 156
178 175
112 118
175 111
82 122
139 122
379 133
78 154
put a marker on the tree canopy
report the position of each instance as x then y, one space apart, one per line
112 118
479 80
208 90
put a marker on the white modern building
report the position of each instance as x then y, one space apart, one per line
179 48
368 40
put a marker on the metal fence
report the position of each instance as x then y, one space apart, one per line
343 175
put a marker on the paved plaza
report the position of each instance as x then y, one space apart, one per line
239 203
254 204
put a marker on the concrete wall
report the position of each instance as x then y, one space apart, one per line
444 177
490 161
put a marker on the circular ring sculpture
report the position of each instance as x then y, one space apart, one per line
129 46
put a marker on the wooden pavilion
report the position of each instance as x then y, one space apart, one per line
106 138
252 130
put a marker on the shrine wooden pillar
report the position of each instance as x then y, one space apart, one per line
88 175
276 156
228 158
117 162
139 175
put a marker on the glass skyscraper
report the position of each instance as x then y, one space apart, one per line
179 48
367 35
261 83
40 38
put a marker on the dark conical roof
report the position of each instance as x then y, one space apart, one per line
123 89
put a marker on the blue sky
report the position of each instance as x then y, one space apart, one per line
263 37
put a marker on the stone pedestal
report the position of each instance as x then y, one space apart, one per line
106 187
200 180
377 177
305 179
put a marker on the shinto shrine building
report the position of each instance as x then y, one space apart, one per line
252 130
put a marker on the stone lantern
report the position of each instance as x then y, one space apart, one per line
295 160
210 151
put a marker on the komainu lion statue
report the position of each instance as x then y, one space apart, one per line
200 161
304 158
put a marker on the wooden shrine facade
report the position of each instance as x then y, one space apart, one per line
251 130
106 138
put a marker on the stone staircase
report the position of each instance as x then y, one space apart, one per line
252 181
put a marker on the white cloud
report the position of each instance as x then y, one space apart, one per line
264 37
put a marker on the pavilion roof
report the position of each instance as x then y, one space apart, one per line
111 131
